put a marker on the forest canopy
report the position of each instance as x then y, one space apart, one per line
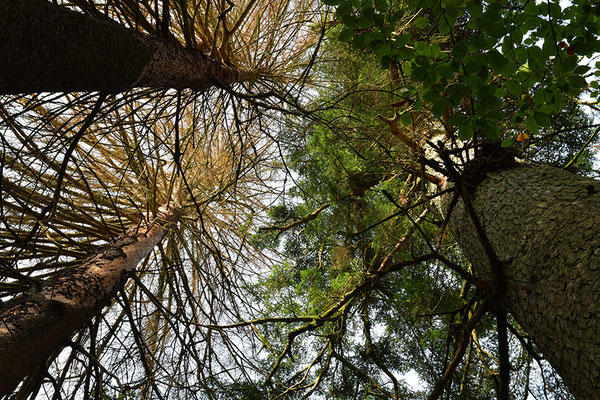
346 199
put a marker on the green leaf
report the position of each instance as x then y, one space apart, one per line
346 35
374 44
577 82
507 142
451 12
478 42
549 48
363 22
496 30
406 118
404 53
521 55
542 119
531 124
422 48
582 69
445 71
581 47
358 42
432 96
381 5
384 62
516 35
421 22
532 8
466 131
331 2
458 119
474 63
513 87
438 108
536 58
444 27
490 129
402 40
436 50
495 60
384 50
344 8
509 69
474 82
457 93
474 8
460 50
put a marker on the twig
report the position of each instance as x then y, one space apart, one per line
462 346
574 160
305 219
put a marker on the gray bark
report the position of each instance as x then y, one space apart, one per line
544 225
49 48
37 324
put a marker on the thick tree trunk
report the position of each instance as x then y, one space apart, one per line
544 225
49 48
38 323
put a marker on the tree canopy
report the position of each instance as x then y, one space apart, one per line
312 255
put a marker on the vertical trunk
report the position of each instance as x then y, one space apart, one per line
37 324
544 225
46 47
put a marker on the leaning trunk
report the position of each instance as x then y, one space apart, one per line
38 323
49 48
544 225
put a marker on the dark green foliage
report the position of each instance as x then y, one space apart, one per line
468 56
463 57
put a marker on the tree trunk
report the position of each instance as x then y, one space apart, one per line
35 325
49 48
544 225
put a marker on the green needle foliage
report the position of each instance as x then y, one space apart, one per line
358 206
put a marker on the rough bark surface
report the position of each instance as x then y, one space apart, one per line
49 48
544 225
37 324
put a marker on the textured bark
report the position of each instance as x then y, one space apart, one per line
49 48
35 325
544 225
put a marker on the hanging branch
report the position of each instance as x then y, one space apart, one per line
303 220
50 208
460 351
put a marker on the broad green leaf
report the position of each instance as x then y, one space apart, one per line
421 22
444 27
402 40
363 22
358 42
346 35
381 5
458 119
512 87
466 131
438 108
542 119
531 124
490 129
422 48
495 60
507 142
406 118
